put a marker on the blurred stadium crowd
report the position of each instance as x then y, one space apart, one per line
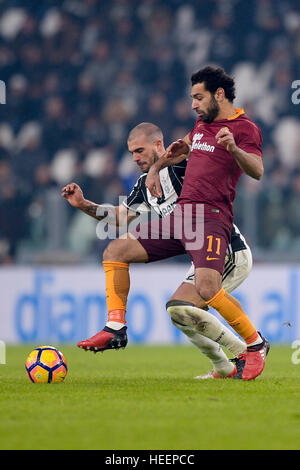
81 73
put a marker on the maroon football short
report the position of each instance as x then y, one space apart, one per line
205 240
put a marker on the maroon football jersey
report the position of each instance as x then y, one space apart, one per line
212 173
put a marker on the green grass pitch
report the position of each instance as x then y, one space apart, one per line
145 397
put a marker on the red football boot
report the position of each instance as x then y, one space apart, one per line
105 339
254 358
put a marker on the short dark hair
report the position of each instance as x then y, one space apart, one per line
151 131
214 78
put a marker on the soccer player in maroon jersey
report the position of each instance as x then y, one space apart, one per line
223 144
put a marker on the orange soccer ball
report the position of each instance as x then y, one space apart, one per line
46 364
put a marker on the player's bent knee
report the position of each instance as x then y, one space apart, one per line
208 282
188 293
125 251
115 252
208 291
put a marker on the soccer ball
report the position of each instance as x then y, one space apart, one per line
46 365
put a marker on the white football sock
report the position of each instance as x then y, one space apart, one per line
210 349
207 325
114 325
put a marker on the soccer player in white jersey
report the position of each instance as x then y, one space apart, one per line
145 143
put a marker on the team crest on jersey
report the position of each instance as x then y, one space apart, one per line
197 145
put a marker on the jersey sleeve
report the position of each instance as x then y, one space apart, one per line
250 139
136 201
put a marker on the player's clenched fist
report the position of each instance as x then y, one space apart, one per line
225 138
73 193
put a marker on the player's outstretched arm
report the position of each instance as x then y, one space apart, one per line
116 215
73 194
175 153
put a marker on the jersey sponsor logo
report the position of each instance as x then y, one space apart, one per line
167 209
197 145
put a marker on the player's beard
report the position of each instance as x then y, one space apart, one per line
154 159
212 111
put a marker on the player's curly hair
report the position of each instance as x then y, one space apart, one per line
214 78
